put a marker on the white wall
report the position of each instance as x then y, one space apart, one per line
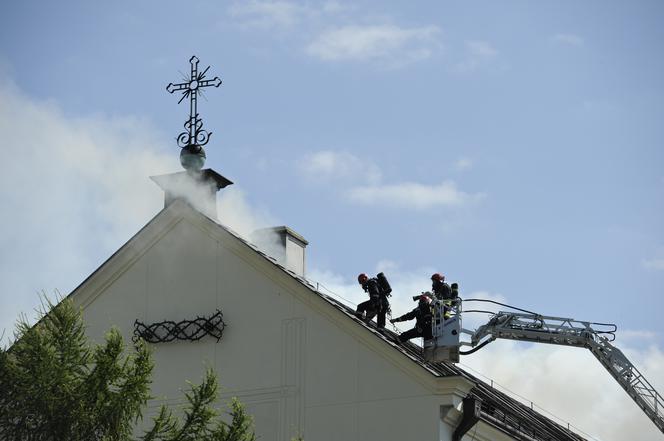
295 365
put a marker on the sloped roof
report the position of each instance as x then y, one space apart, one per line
497 408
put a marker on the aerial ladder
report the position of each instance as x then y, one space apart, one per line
529 326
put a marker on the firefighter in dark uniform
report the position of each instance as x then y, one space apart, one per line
442 291
455 290
422 315
378 304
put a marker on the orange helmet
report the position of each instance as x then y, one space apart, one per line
362 278
438 277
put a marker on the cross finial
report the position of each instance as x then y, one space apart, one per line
192 140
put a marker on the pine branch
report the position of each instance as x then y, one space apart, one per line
55 385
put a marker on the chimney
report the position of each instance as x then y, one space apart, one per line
197 188
285 245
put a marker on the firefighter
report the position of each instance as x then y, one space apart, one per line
443 292
422 315
455 291
378 304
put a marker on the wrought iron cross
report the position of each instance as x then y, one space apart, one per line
194 137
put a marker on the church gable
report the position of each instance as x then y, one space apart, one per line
298 359
283 345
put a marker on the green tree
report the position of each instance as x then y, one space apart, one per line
55 385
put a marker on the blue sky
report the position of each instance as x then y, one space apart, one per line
515 147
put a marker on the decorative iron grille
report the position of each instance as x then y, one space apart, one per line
192 330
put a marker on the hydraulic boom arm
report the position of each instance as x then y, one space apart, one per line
529 326
570 332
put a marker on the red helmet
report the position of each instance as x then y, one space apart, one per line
438 277
425 297
362 278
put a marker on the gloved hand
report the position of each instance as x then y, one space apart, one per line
394 321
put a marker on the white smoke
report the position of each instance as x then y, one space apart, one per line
74 189
244 219
573 385
565 384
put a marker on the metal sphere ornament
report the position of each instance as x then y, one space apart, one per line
192 157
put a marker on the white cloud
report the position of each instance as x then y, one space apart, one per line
477 54
568 39
413 195
463 164
360 181
282 14
267 14
654 264
343 288
472 320
638 335
335 7
387 265
328 165
388 43
572 385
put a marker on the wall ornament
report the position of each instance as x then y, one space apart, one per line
191 330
